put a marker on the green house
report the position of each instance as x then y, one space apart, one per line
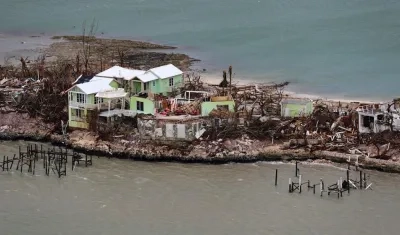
296 107
159 80
124 76
82 100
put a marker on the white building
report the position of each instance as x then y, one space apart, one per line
374 120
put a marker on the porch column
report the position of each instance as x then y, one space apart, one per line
141 86
109 106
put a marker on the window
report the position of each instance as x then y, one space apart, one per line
145 86
171 81
78 113
223 107
139 106
368 121
80 98
154 83
98 100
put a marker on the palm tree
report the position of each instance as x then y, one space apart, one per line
224 82
230 79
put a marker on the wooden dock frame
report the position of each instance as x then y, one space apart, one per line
26 158
54 159
78 158
7 163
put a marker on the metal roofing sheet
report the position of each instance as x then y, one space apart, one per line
96 85
119 72
147 77
166 71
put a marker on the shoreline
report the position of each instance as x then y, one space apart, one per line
213 78
267 154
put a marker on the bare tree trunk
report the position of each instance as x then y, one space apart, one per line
121 56
87 36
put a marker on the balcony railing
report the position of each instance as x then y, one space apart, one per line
78 119
91 106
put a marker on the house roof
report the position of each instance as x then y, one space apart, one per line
166 71
147 77
97 84
119 72
96 78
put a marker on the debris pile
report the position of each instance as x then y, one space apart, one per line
192 108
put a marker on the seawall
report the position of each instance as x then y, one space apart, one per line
152 152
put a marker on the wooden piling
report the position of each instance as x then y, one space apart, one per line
34 165
348 181
276 177
365 180
361 180
300 183
321 189
290 185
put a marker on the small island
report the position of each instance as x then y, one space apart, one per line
129 99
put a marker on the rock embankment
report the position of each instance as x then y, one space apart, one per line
210 152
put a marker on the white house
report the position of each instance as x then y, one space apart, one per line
374 120
99 93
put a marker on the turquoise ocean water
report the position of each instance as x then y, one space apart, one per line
341 48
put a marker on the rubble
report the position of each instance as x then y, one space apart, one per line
255 130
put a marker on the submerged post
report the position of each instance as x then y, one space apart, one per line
365 180
356 164
276 177
361 179
348 181
321 187
290 185
296 168
34 165
300 183
348 163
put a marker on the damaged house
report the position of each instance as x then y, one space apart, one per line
372 119
296 107
170 128
119 91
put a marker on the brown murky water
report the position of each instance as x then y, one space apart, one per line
127 197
